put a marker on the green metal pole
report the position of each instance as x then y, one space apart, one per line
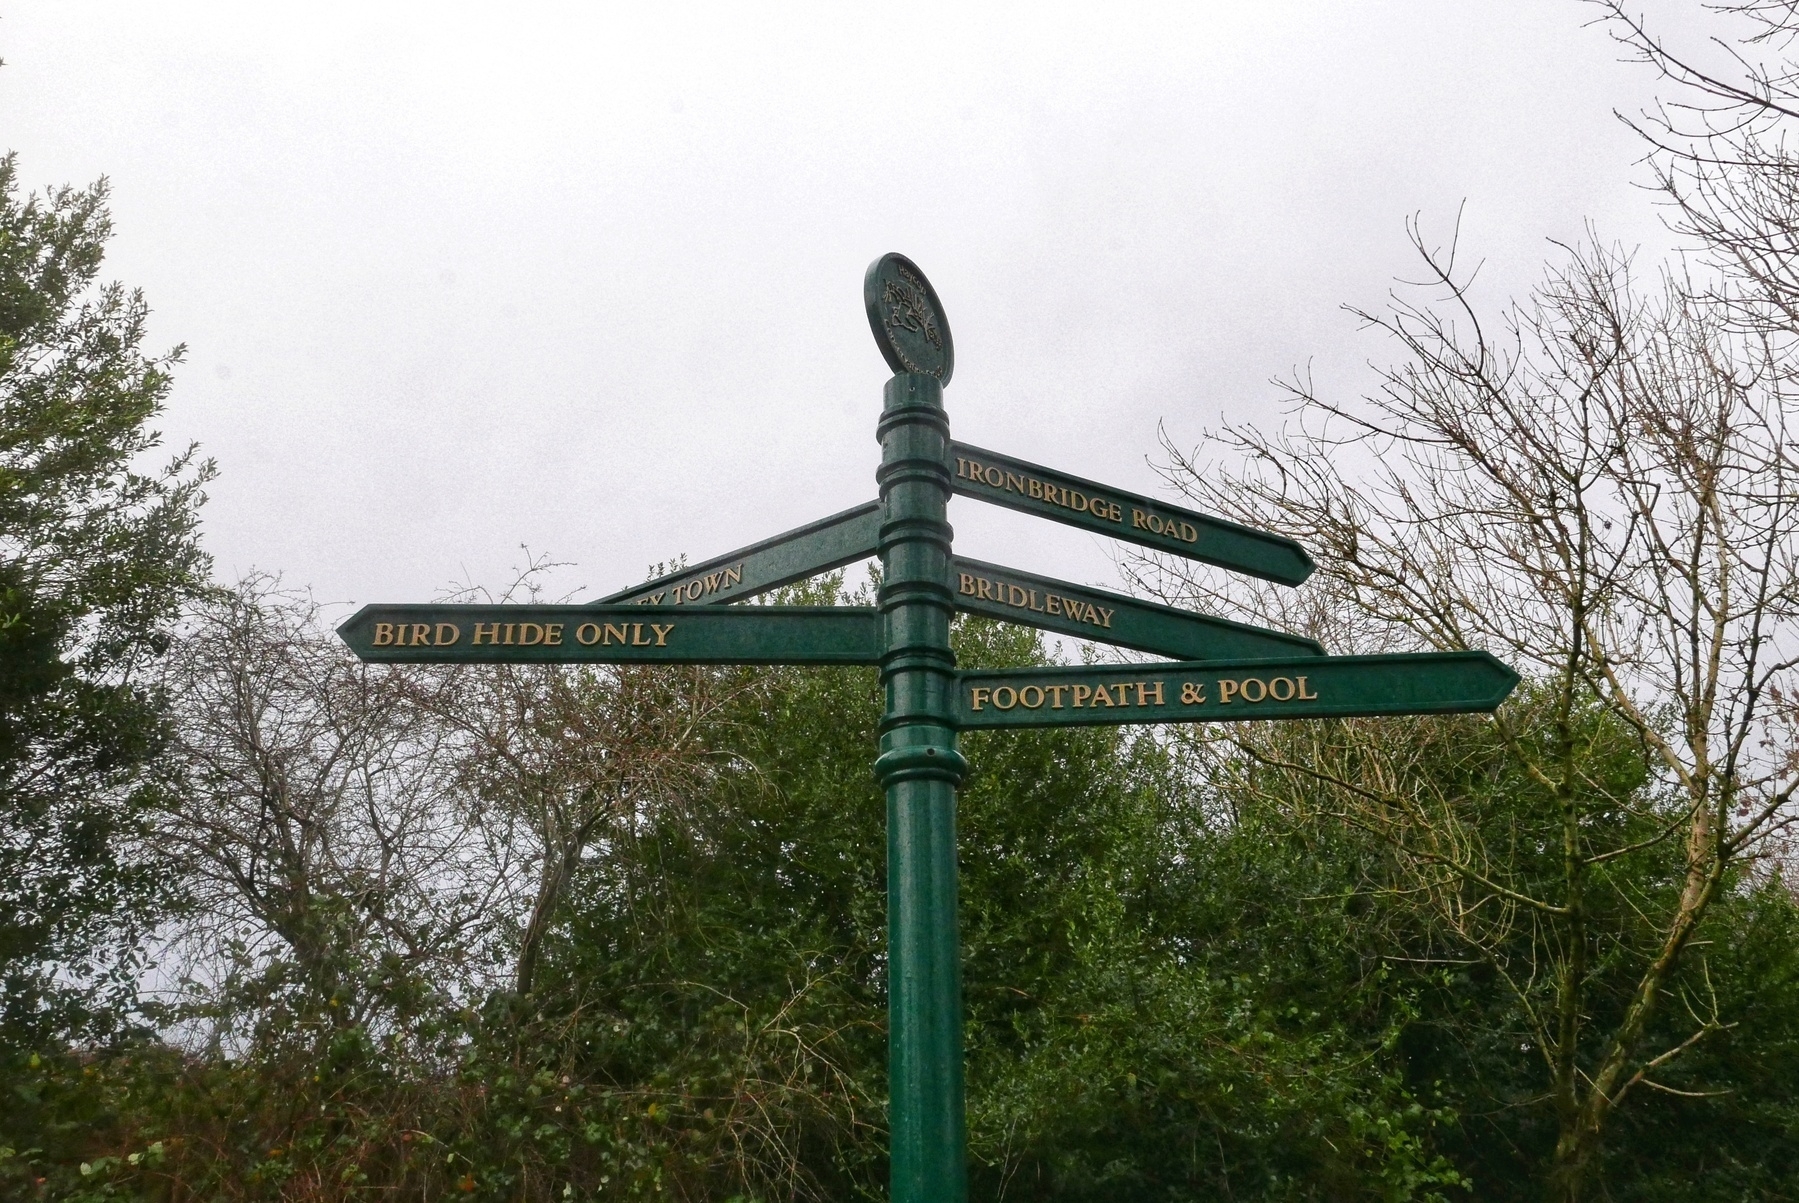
920 769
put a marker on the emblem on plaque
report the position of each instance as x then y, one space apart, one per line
907 318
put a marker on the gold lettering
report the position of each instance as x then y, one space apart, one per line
585 639
1034 605
1011 697
1052 604
988 475
510 628
1024 697
1081 694
611 632
1149 693
1139 519
986 589
734 576
1015 597
968 584
1036 488
421 634
1102 696
552 634
976 696
384 634
1080 500
1261 689
1105 618
1302 695
637 639
1055 695
1188 533
1225 690
1014 484
455 633
1274 689
662 633
490 629
530 634
961 467
712 580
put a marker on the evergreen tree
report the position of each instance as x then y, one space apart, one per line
96 555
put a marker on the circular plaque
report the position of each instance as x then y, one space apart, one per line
907 319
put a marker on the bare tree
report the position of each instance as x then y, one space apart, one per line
572 759
577 758
1720 153
327 843
1602 493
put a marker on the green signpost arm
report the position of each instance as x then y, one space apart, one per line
454 634
986 589
1047 493
1234 690
1106 617
795 555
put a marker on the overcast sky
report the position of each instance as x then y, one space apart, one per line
587 278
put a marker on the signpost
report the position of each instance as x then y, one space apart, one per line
1224 672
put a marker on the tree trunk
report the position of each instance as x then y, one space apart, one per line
557 870
1574 1150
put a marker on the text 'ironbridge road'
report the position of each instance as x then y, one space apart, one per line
1002 480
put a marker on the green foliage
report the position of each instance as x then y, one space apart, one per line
1125 1041
95 560
1473 970
1148 1016
1180 985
